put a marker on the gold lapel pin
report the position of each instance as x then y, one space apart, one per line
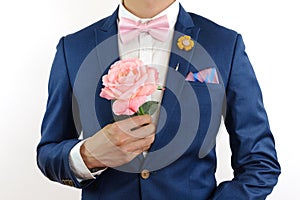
185 43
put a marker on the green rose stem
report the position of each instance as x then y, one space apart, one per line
160 87
141 111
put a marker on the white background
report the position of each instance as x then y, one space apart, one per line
31 29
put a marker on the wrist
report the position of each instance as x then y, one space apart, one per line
89 160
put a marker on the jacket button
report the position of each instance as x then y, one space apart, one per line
145 174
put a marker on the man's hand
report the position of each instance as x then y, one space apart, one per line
118 143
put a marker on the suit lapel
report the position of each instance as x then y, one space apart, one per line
184 26
180 58
107 52
175 79
106 38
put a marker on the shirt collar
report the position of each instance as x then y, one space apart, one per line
171 12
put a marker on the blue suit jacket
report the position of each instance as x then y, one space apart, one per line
74 106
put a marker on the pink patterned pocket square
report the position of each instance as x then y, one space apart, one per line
208 75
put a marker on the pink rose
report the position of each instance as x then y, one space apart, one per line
129 82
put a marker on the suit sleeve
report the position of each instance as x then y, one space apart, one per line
58 133
254 158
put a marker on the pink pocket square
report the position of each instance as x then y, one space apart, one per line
208 75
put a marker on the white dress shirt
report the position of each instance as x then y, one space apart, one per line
153 53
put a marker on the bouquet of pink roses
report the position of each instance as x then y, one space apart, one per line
128 83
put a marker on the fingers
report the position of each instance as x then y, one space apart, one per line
143 131
139 146
121 138
136 128
133 122
132 141
118 143
111 147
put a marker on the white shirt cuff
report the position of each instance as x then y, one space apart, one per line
78 166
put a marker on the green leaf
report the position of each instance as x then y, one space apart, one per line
148 107
121 117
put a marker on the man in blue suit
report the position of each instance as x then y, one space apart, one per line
206 74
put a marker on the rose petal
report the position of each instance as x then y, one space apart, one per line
121 107
107 93
146 90
136 102
129 82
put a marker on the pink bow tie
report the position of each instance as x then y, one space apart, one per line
157 28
